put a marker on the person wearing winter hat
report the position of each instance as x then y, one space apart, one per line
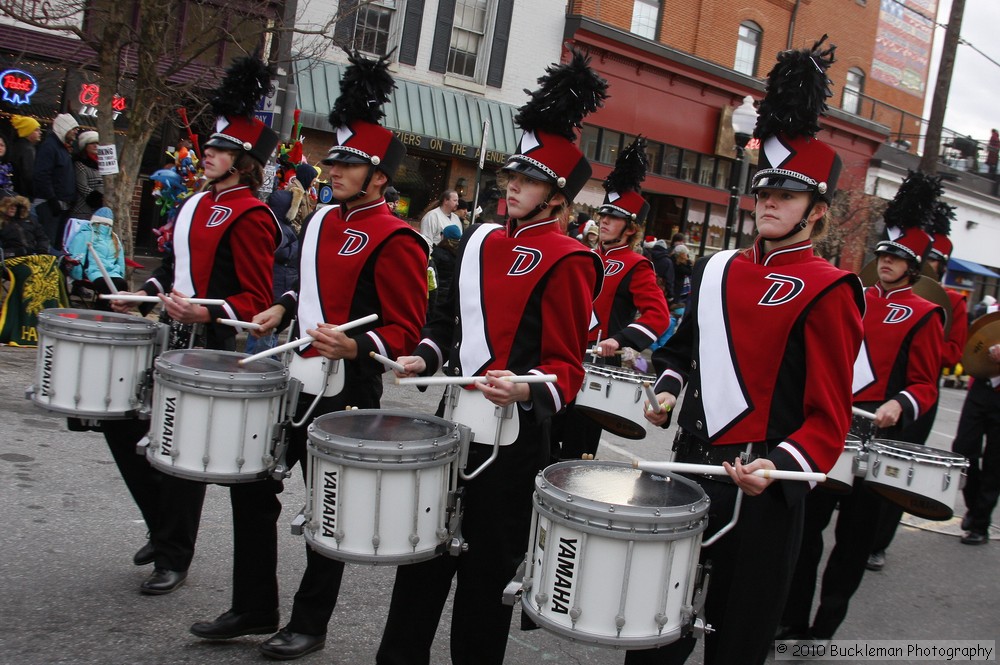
895 378
108 247
631 310
759 322
522 306
357 258
89 182
54 178
22 153
223 248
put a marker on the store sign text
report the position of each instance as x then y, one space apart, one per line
90 93
18 86
422 142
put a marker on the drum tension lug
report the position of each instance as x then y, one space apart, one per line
298 523
140 447
29 392
512 592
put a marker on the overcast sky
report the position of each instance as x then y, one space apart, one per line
974 96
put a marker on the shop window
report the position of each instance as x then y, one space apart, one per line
722 173
610 144
644 18
588 141
671 161
706 171
654 153
748 48
689 166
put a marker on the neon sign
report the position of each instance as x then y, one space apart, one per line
18 86
90 93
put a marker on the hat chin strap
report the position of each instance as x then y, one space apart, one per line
538 209
803 223
364 187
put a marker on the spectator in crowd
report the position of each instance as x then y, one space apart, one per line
590 235
392 200
107 245
657 252
54 183
6 171
992 152
440 216
19 234
982 308
573 229
22 153
89 182
443 259
462 212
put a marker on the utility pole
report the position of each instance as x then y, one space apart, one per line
932 143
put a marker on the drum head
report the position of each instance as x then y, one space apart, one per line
227 362
94 323
88 315
379 425
380 438
622 485
904 450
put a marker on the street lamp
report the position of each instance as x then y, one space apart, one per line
744 121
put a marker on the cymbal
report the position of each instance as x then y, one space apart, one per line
983 320
926 286
976 359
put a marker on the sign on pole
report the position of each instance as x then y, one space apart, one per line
107 159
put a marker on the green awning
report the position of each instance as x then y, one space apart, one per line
415 108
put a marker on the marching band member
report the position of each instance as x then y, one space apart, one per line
224 242
951 354
631 309
765 350
357 258
520 303
895 377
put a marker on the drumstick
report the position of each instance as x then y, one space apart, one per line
307 339
249 325
596 352
710 470
861 412
654 404
388 362
468 380
100 266
131 297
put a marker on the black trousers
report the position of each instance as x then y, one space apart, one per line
751 572
171 507
578 434
496 523
859 513
980 417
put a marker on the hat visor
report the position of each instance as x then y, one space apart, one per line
894 250
613 212
221 142
524 168
780 182
343 157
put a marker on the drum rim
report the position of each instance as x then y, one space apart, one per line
54 317
636 522
175 373
435 451
323 547
628 375
939 457
667 637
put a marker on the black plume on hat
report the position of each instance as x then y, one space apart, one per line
941 218
567 93
365 87
797 90
246 81
630 168
914 203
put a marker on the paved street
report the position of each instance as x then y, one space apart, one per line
70 592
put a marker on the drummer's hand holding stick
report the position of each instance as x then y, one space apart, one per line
268 320
332 343
888 414
412 366
181 310
125 306
605 348
502 392
742 475
665 402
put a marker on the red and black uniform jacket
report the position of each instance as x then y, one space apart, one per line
629 288
521 299
365 262
766 347
958 334
223 247
900 358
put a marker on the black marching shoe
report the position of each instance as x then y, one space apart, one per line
876 561
145 555
162 581
286 645
975 538
232 624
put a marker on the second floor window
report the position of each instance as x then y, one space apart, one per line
644 14
854 86
468 34
748 48
373 26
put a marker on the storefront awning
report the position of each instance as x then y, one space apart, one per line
424 116
969 267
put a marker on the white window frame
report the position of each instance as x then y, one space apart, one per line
741 41
641 24
398 8
483 54
851 100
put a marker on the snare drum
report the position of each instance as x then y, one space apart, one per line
613 397
92 364
923 481
841 477
378 485
214 420
614 553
